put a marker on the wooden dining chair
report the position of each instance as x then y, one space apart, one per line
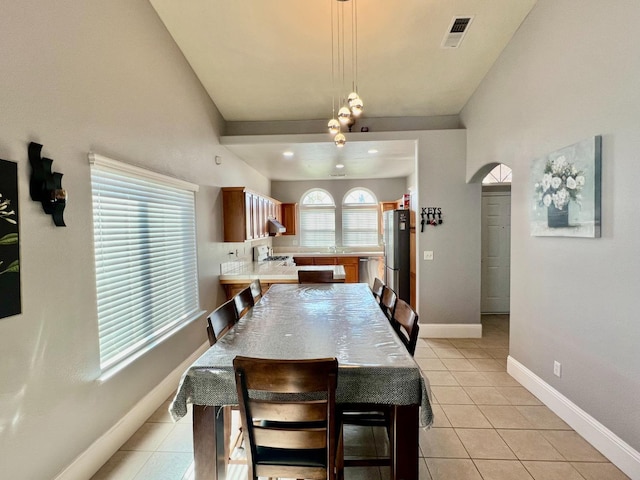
378 286
256 290
289 417
315 276
243 301
388 302
221 320
406 325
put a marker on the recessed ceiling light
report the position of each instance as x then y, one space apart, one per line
288 154
372 150
339 165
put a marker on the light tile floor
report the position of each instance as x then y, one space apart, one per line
487 427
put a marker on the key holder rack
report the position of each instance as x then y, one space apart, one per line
430 216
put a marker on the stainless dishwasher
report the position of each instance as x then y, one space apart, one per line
369 268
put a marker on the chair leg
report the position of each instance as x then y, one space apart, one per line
227 434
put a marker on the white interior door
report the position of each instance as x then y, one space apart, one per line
496 251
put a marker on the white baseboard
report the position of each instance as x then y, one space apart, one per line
450 330
609 444
90 461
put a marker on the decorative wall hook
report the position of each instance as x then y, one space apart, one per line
46 186
430 216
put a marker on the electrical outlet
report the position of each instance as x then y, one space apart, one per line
428 255
557 368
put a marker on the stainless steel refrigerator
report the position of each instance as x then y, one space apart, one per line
396 252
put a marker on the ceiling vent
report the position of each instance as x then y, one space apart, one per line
337 174
456 32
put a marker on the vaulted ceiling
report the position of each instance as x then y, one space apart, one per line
271 60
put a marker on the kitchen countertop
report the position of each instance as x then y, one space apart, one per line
274 272
331 254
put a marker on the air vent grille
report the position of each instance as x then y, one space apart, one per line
456 32
459 25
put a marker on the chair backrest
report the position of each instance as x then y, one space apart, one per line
288 416
210 334
378 286
406 324
388 302
256 290
243 301
221 320
315 276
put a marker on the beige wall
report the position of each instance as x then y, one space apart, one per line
571 72
101 76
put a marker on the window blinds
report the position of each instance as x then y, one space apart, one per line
145 253
317 227
359 226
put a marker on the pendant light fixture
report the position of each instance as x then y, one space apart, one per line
351 105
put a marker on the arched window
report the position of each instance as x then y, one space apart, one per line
500 174
359 218
317 219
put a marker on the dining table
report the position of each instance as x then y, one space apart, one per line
291 321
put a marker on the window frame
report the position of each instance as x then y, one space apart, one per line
112 182
307 240
372 208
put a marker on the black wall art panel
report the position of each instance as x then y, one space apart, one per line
9 243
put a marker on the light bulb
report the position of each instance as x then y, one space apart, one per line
340 140
352 96
356 106
334 126
343 115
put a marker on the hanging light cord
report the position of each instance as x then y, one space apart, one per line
333 61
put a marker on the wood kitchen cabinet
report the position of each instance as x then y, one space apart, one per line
289 217
351 265
245 214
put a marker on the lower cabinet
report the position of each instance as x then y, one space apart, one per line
350 265
352 275
232 289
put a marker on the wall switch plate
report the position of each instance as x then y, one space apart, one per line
428 255
557 369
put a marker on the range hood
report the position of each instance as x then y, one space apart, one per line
275 226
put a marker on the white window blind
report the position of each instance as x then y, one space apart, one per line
360 218
318 227
317 219
145 253
359 226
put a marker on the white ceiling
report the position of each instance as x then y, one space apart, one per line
270 60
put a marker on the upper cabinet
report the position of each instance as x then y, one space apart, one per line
289 216
246 214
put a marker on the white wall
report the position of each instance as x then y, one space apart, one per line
569 73
102 76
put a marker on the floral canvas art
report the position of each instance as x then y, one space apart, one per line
566 191
9 246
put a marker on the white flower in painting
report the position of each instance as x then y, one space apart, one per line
559 163
560 184
5 213
560 198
